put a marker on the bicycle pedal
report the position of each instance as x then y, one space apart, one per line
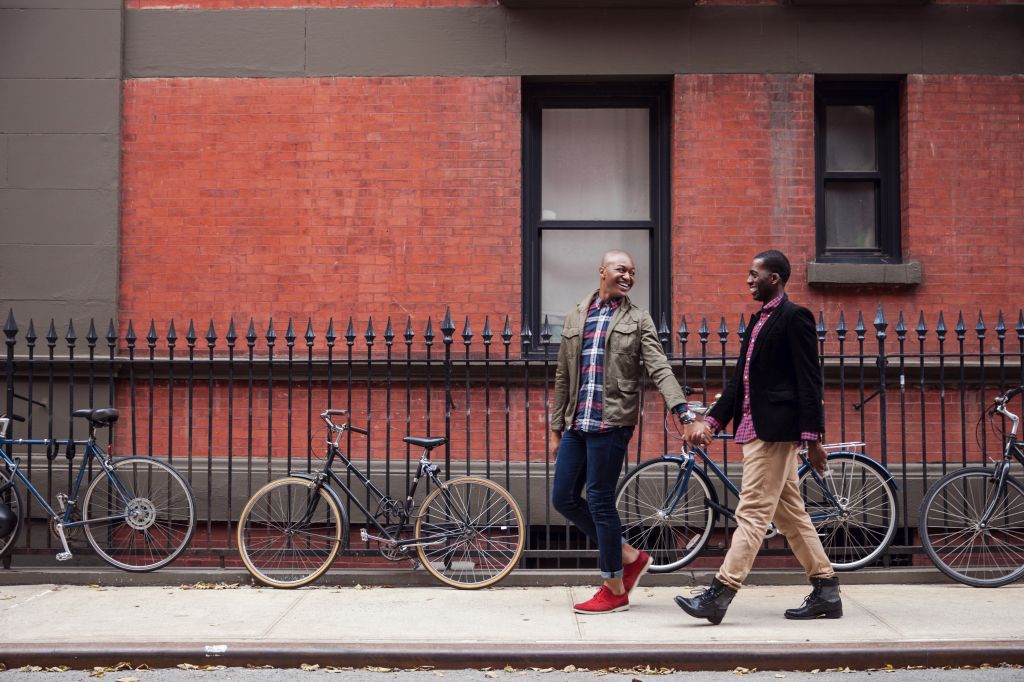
363 535
64 556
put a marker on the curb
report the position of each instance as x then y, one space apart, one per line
386 577
526 655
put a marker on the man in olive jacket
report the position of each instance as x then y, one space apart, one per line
595 407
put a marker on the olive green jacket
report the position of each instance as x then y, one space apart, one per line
631 338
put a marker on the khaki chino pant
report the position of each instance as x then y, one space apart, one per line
769 493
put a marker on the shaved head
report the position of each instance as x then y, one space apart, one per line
614 254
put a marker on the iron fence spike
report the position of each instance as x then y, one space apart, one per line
1000 325
30 335
901 327
190 333
10 327
71 337
129 337
309 336
331 335
91 336
211 334
172 335
389 333
506 332
370 333
467 333
350 332
486 334
289 334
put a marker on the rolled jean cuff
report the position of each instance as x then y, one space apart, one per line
612 575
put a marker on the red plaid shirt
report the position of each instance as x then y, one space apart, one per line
745 431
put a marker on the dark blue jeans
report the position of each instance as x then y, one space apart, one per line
593 460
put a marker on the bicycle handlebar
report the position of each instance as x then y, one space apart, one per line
327 414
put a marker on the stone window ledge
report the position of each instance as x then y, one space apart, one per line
864 274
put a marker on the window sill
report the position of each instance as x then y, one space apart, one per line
864 274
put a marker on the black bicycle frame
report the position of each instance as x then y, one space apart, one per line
426 467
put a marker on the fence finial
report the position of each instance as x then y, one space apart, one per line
10 327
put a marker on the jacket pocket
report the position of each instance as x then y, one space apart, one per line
623 338
628 385
780 396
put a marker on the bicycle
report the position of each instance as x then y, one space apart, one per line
468 533
669 506
971 522
137 513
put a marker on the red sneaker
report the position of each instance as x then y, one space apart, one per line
605 601
632 573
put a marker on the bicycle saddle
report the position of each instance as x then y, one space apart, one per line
104 416
428 443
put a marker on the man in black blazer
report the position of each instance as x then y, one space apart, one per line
774 398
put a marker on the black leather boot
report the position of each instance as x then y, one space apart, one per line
822 602
710 604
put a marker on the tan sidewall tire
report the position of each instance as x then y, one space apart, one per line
519 519
245 513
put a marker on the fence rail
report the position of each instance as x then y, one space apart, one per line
232 412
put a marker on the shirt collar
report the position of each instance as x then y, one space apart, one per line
612 304
772 304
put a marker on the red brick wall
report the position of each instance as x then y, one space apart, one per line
744 181
320 197
258 4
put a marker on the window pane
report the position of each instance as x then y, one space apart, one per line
850 215
569 260
595 164
850 138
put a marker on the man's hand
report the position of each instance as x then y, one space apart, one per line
698 433
816 456
556 438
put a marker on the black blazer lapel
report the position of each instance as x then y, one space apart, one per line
773 319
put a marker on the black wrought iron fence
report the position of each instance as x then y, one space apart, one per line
232 412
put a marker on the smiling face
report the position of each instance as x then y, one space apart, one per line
763 285
617 275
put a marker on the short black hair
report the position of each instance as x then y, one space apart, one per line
775 261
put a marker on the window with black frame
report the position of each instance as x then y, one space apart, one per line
857 172
595 177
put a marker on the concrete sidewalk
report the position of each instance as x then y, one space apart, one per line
231 624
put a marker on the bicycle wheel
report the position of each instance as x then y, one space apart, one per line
11 496
661 517
289 532
470 533
954 538
857 531
140 515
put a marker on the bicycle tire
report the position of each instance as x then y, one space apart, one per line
857 534
158 513
483 529
279 546
673 539
11 496
989 557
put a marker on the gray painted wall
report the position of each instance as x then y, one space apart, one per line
60 108
566 42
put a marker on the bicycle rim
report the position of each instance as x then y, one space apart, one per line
954 538
289 533
471 533
857 532
671 525
140 516
12 498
